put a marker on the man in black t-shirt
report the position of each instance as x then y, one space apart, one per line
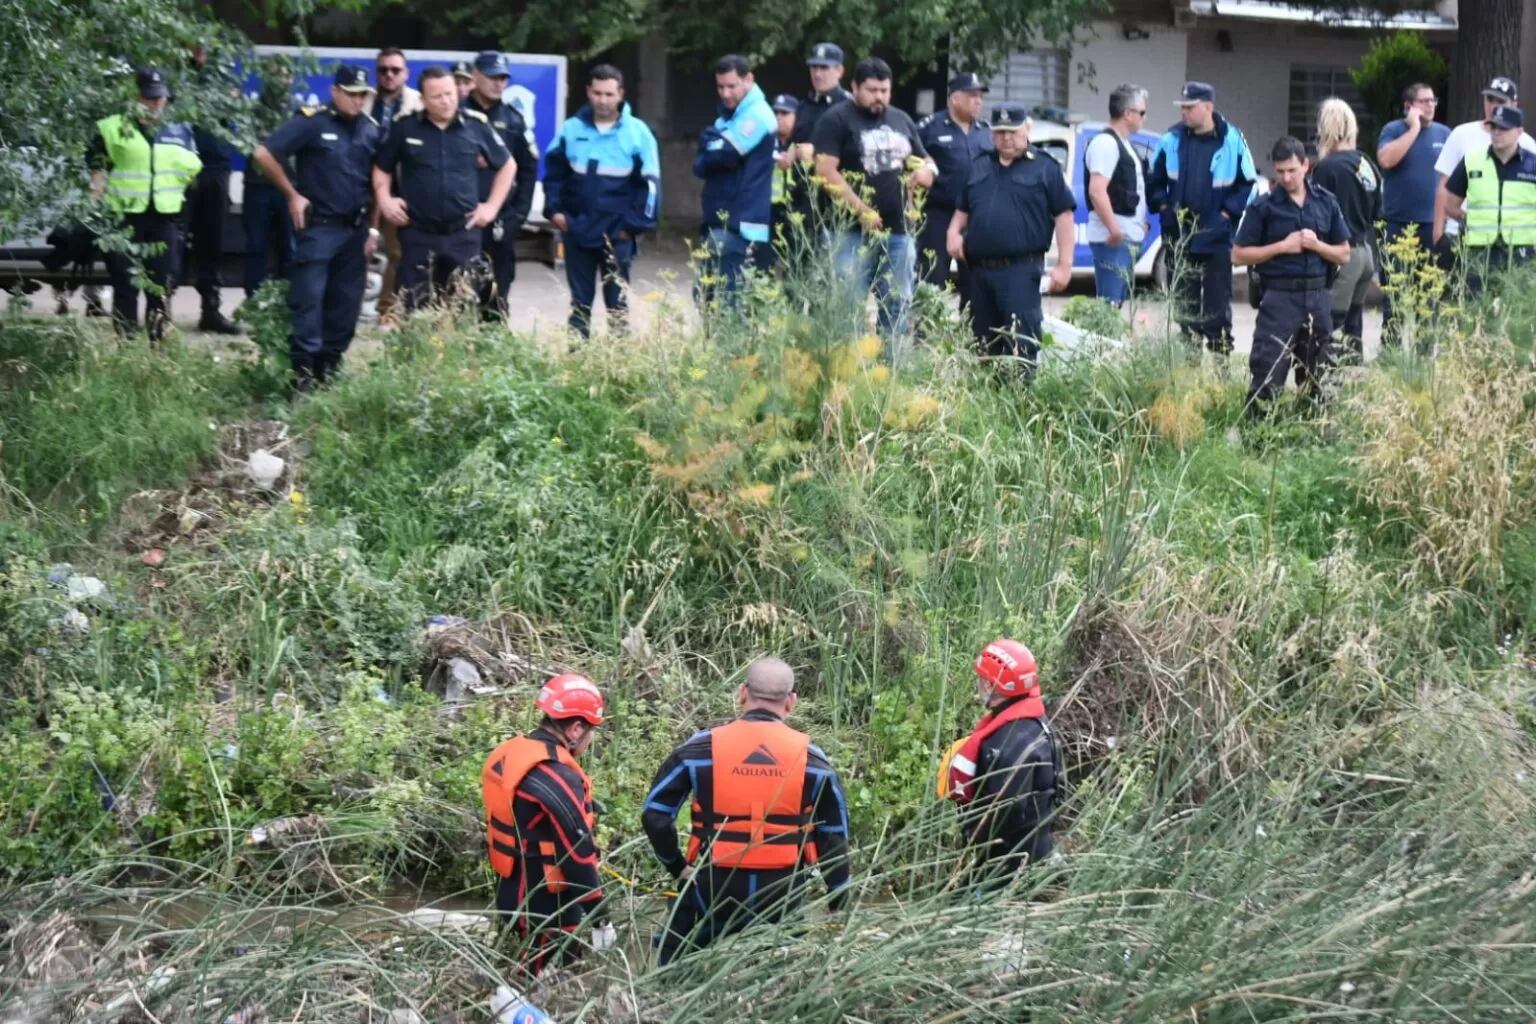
870 156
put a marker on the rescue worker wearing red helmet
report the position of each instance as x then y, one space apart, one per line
766 807
539 821
1005 775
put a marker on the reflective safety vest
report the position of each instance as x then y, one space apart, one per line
1497 210
758 820
142 170
503 773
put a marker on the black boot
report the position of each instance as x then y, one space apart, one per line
215 322
327 366
305 377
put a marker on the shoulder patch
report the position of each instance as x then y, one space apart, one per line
476 115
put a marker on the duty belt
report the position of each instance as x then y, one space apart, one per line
1000 262
328 220
1295 284
440 227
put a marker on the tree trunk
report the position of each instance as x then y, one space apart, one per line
1487 44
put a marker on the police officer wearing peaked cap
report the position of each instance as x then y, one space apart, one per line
825 66
464 77
1298 235
489 76
954 138
1494 188
434 156
1014 203
332 150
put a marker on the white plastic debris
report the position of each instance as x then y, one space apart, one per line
463 677
257 836
84 588
263 468
1111 742
604 936
431 920
1258 830
508 1006
1347 987
158 979
74 621
404 1015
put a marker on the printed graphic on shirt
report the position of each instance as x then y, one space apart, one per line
883 150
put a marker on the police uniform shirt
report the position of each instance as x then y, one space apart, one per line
436 169
1012 210
332 157
811 109
954 150
1276 215
507 122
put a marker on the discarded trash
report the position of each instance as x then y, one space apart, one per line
295 826
59 572
382 697
604 936
463 677
74 621
154 557
509 1007
404 1015
431 920
247 1014
84 588
158 979
438 623
263 468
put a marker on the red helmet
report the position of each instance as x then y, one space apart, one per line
569 695
1008 668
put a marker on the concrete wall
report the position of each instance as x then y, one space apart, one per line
1156 64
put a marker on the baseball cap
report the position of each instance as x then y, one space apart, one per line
785 103
1196 92
351 79
967 81
493 64
463 70
825 55
1507 117
152 84
1502 88
1009 117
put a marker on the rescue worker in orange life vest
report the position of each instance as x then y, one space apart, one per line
539 818
766 806
1005 775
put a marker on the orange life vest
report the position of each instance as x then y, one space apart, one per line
503 773
758 820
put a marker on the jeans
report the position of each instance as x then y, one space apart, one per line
887 263
729 254
1113 270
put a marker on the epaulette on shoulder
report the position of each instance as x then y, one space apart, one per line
926 121
310 111
476 115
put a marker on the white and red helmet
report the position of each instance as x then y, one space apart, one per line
1008 668
569 695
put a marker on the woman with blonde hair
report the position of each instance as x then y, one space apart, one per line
1354 181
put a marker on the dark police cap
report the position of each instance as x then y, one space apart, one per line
1506 117
493 64
784 103
1196 92
351 79
463 70
1009 117
1502 88
825 55
968 81
152 84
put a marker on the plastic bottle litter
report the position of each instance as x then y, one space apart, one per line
508 1006
604 936
84 588
263 468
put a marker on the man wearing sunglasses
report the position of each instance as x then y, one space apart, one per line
392 99
1494 190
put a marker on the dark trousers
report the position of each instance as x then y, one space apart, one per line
429 262
208 206
719 902
1293 329
933 257
325 295
584 267
1202 295
541 916
1396 230
1483 263
1005 308
264 214
158 267
502 255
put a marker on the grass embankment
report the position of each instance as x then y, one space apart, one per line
1289 661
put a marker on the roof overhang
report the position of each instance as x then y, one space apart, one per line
1309 14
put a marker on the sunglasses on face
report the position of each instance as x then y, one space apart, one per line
391 71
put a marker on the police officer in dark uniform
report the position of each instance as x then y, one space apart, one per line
434 157
208 206
499 241
954 137
1015 200
332 149
464 78
1298 235
825 64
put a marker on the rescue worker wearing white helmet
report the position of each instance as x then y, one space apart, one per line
540 821
1006 774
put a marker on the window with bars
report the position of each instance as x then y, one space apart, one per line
1310 85
1035 78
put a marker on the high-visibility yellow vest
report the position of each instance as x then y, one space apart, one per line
1497 211
142 171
